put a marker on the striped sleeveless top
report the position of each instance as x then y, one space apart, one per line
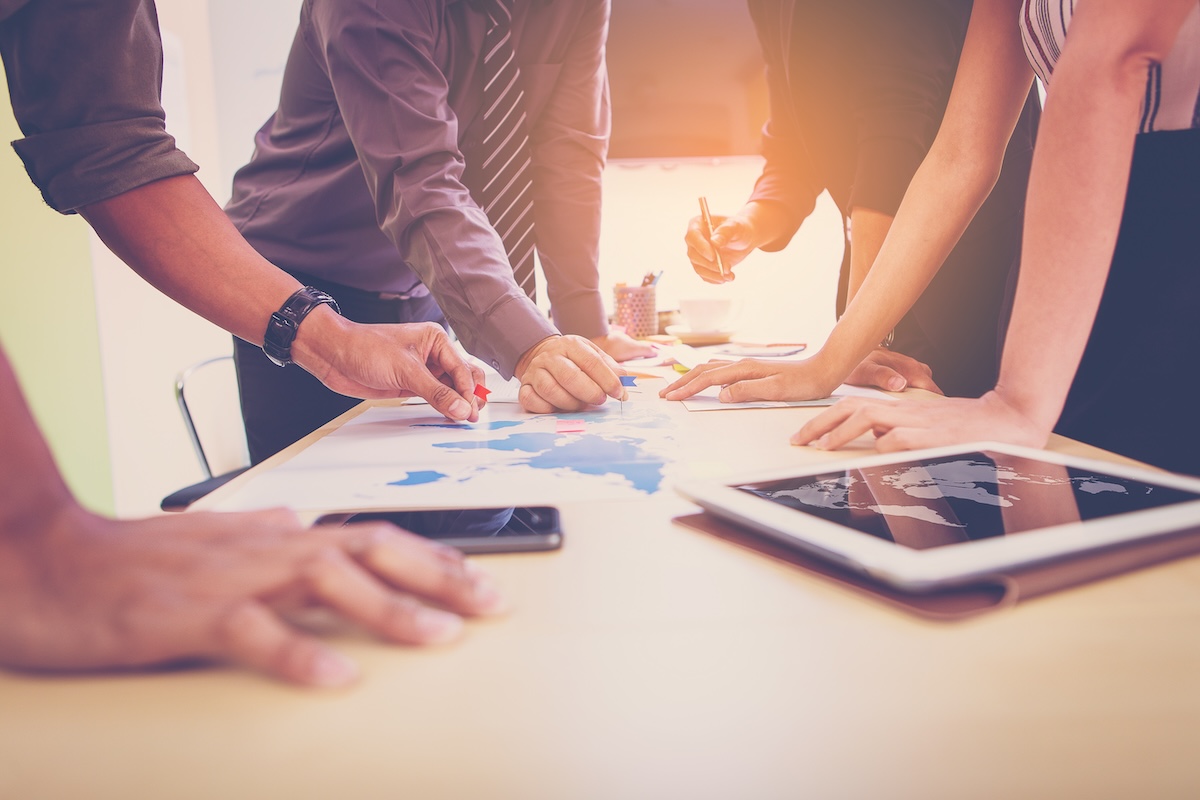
1172 99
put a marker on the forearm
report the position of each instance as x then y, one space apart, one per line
173 234
944 196
31 488
1077 189
569 146
765 223
567 212
868 230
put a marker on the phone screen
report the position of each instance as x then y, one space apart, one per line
474 530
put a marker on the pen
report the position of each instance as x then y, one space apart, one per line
708 232
651 278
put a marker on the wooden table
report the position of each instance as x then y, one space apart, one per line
647 660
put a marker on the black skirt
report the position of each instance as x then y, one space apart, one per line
1137 391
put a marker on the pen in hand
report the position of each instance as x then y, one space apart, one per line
706 218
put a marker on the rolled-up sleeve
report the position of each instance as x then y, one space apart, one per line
570 143
394 100
85 82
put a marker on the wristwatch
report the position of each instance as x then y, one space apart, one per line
282 327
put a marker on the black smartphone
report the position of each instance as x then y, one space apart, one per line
474 530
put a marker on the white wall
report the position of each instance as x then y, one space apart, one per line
224 61
250 42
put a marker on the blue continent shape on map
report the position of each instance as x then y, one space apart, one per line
419 477
585 454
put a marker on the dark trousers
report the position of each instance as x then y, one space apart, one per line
281 405
1136 390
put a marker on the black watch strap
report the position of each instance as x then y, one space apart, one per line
282 327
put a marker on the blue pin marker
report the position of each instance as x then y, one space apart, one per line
626 380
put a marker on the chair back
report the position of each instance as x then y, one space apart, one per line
207 394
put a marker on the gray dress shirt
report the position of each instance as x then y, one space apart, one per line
357 177
85 78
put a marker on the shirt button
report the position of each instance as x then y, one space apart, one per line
496 365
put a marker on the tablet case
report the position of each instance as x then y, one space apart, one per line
985 594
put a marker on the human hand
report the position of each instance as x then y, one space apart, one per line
927 422
622 347
751 379
734 237
893 372
757 223
566 373
83 592
382 361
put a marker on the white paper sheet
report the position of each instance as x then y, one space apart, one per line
707 400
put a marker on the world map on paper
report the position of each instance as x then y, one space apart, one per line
581 453
407 457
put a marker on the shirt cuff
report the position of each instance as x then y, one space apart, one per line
508 332
76 167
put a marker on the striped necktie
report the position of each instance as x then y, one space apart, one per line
504 175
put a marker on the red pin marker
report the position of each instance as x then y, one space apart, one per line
481 391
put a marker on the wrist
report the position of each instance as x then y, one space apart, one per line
321 341
822 373
767 220
283 326
528 355
1040 409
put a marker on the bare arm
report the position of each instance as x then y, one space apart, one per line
1076 194
174 235
868 230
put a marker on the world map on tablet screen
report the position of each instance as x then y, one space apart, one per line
964 497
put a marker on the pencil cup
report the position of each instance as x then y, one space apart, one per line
635 310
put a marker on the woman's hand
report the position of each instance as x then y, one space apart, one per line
753 379
922 423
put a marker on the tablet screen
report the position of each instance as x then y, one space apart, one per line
963 497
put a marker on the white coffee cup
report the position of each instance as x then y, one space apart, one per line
706 314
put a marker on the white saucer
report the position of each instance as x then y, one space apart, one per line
698 338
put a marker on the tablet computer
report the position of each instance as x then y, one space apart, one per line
925 519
